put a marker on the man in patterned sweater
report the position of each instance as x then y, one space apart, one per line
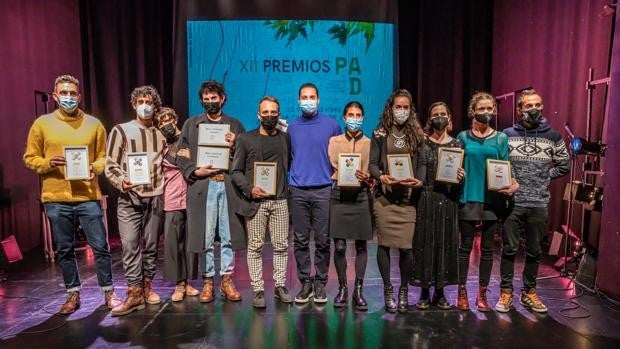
537 155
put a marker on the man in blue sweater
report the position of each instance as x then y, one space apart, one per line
538 155
310 191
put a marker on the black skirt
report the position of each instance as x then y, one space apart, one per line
350 214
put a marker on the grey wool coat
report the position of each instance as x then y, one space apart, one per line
198 187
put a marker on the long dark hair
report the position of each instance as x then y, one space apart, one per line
412 129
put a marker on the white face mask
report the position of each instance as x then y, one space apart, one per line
144 111
400 116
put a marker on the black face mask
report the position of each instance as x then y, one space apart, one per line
169 132
439 123
269 123
211 107
533 116
484 118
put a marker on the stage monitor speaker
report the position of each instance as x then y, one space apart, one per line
10 252
586 273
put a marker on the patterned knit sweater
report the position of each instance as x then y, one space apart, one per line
537 156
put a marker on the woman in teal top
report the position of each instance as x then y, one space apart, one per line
482 142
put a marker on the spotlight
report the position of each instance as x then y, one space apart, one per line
580 145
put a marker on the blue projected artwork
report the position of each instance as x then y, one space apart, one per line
346 60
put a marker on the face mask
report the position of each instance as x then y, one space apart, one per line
532 116
353 125
439 123
169 131
308 107
68 103
269 123
144 111
484 118
211 107
401 116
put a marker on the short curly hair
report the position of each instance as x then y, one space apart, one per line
146 90
164 114
66 79
477 97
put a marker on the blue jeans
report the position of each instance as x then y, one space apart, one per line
90 216
217 216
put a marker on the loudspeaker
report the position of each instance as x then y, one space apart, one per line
10 252
586 273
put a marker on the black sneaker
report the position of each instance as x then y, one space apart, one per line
283 295
423 303
306 292
443 304
320 296
259 299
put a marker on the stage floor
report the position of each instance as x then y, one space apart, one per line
34 292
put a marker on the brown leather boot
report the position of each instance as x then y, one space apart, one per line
462 302
228 289
134 301
208 287
149 295
111 300
71 304
481 299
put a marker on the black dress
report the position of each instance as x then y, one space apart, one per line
435 242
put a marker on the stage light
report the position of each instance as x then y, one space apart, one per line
580 145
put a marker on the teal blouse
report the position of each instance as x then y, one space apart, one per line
477 151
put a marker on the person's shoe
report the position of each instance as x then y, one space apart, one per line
320 296
462 302
403 299
228 289
133 302
306 293
531 301
190 291
504 304
281 294
208 287
439 300
179 292
358 296
258 301
111 300
342 298
481 299
423 304
71 304
149 295
388 295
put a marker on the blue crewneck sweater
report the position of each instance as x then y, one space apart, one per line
309 141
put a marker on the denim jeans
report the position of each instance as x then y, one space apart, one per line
533 221
90 217
217 217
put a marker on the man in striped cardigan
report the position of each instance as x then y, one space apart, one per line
140 211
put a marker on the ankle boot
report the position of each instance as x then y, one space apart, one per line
342 297
388 295
134 301
424 301
358 296
403 299
462 302
481 299
149 295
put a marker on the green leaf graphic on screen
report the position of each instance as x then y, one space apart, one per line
345 30
289 28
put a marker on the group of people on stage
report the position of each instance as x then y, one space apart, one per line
432 223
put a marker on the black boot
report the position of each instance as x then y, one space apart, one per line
403 299
388 294
358 296
342 297
424 301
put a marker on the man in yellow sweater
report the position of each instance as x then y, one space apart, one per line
64 199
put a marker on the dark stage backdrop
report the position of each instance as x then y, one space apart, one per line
550 45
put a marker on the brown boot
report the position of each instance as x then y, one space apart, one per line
111 300
71 304
134 301
481 299
206 295
149 295
179 292
228 289
462 302
190 291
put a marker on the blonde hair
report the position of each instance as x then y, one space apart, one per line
476 98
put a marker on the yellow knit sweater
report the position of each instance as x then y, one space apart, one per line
47 137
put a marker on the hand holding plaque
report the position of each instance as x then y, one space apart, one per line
138 168
498 174
265 176
348 165
77 165
399 166
449 160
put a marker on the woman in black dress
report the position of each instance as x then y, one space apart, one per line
435 242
